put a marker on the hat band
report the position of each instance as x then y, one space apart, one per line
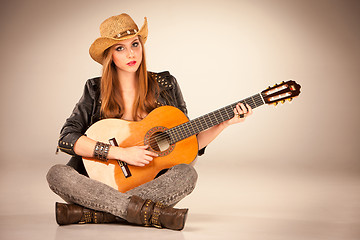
126 33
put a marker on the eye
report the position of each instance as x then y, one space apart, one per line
135 44
119 48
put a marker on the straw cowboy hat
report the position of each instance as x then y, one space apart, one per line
113 30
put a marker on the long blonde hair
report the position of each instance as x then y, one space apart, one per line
112 103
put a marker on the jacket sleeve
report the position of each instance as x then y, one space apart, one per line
182 105
78 122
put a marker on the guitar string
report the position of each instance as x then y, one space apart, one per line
185 134
257 100
180 130
197 124
166 135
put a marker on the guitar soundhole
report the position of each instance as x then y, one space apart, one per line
159 141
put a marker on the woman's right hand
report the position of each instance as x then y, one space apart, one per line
136 156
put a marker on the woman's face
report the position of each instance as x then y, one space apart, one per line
127 55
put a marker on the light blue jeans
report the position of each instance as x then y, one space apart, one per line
178 182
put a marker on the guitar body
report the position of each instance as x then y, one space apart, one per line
128 134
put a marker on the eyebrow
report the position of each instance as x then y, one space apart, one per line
119 44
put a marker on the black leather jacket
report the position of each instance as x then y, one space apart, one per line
87 112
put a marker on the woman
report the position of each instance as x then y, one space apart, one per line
127 91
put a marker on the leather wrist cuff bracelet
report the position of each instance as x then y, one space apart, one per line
101 151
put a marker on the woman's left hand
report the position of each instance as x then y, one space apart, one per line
241 113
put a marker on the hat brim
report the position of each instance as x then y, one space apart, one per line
99 46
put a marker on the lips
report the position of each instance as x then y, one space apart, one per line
132 63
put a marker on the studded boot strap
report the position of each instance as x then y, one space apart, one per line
147 212
155 219
87 216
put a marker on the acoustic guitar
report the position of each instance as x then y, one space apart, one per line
169 133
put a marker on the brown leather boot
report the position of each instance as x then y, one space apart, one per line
149 213
72 213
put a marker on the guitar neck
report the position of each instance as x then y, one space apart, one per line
209 120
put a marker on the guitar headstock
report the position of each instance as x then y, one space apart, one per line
281 92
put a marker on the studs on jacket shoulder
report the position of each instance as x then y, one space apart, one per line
161 80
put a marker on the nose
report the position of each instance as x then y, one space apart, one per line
131 53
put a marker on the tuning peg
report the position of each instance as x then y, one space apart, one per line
275 85
268 87
275 103
290 99
282 101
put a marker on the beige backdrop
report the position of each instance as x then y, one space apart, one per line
220 52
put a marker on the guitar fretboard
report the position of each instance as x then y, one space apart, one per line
209 120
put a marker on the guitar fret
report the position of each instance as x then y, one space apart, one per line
180 132
194 127
217 117
251 102
258 101
169 132
193 130
221 116
186 127
183 132
224 114
209 120
199 124
204 122
244 102
252 99
216 114
213 118
227 114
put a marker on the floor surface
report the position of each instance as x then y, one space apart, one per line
242 202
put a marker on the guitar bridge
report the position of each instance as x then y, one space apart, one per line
123 165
